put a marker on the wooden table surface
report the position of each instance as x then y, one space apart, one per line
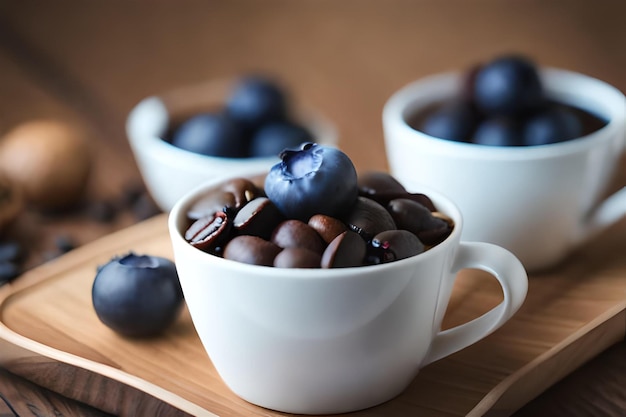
90 62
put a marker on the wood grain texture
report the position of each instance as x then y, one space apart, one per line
603 378
46 404
571 314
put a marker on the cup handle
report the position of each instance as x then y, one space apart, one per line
608 212
511 275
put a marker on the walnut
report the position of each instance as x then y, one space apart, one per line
50 160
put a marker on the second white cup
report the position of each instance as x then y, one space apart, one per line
537 201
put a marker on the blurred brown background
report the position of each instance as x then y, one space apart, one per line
92 61
95 60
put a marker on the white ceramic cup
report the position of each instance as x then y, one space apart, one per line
168 171
318 341
537 201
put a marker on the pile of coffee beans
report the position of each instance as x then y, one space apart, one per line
503 103
237 221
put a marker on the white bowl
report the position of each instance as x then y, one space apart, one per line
168 171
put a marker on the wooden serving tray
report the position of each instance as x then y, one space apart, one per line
50 335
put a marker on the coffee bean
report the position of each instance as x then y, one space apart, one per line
382 188
419 220
297 234
372 183
393 245
384 197
346 250
234 194
440 229
243 191
297 258
368 218
209 233
251 250
210 203
258 218
327 227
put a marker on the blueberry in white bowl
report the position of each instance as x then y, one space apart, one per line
257 100
214 134
505 102
507 85
184 137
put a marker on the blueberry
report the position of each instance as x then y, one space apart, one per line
8 271
256 101
272 138
500 131
553 124
64 243
455 120
10 251
12 256
314 180
507 86
212 134
137 295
